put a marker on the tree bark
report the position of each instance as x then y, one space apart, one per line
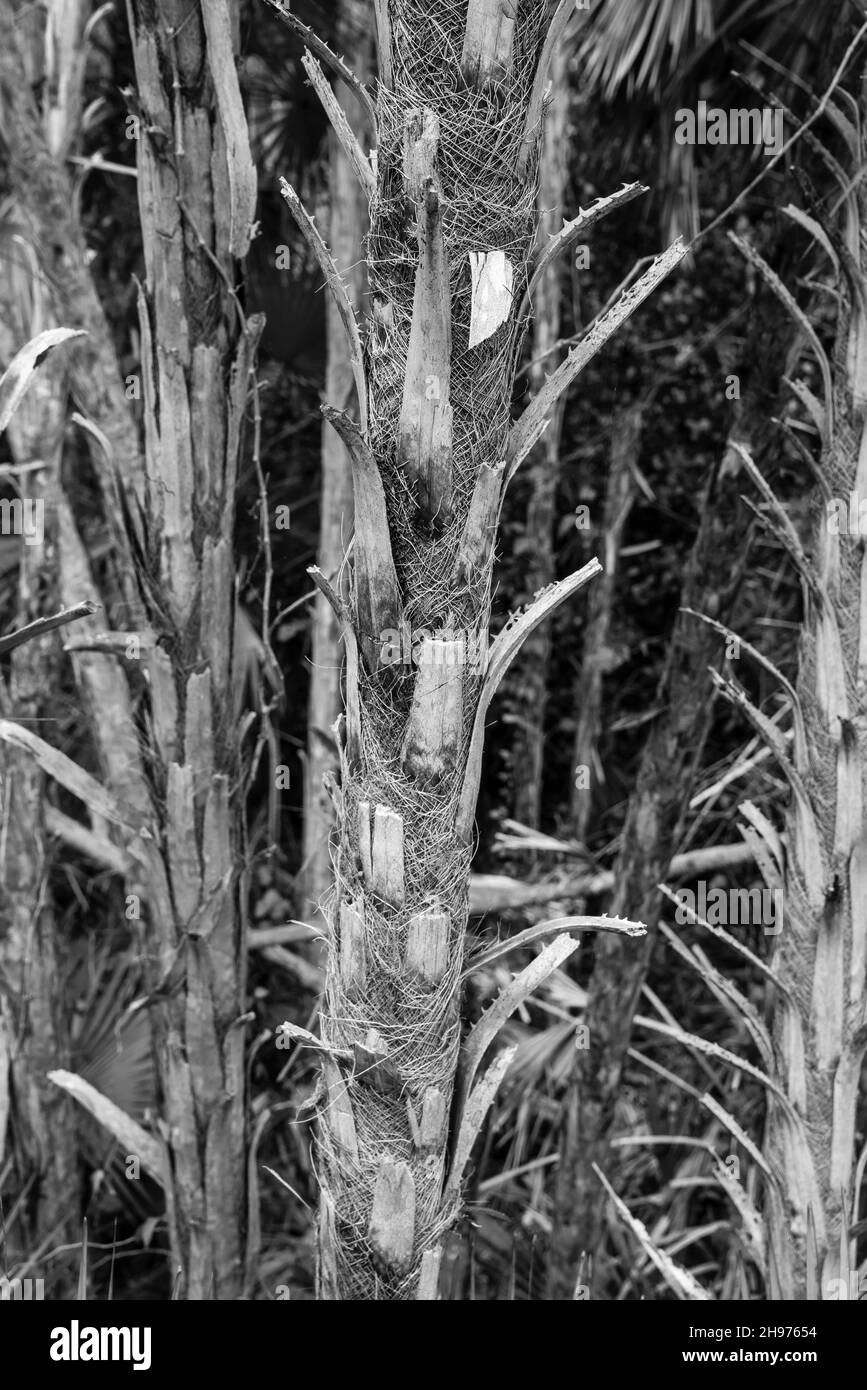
531 692
459 110
390 1014
197 199
348 221
586 768
820 956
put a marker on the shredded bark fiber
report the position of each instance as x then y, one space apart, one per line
371 994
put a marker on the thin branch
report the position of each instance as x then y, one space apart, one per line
311 235
43 625
337 65
328 592
218 266
104 166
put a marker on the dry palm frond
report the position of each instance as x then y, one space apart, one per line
684 1284
638 47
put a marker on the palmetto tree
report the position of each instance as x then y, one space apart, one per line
819 961
458 115
662 56
167 813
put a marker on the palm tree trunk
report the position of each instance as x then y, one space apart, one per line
348 222
177 790
197 193
619 493
820 956
448 186
543 473
453 224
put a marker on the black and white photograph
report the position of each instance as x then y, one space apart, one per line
433 672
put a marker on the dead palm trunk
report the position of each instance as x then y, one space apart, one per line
452 226
820 956
197 195
347 228
543 471
172 798
587 771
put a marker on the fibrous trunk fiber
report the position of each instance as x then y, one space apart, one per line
452 230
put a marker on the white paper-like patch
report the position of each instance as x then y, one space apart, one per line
493 281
